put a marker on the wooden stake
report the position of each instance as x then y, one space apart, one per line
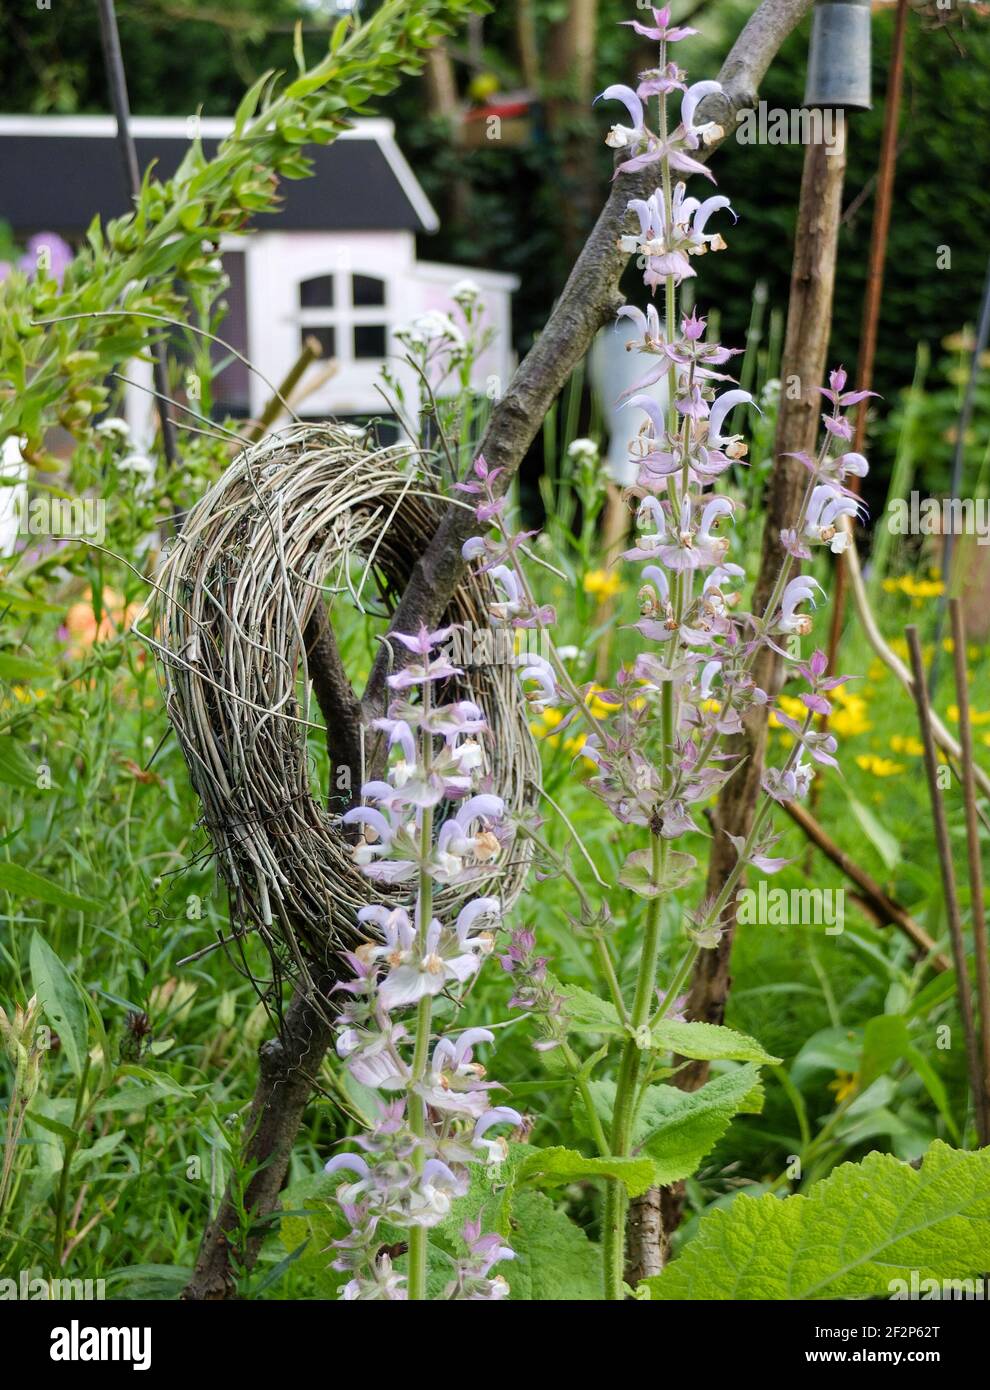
809 322
311 351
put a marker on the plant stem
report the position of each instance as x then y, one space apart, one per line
623 1113
595 1124
677 983
418 1237
68 1155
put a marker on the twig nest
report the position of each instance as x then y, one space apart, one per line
301 515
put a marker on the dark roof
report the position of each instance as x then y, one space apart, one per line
57 182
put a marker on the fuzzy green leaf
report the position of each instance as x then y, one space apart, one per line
709 1043
638 874
555 1261
586 1013
678 1128
857 1233
558 1166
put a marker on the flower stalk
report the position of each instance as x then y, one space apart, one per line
661 746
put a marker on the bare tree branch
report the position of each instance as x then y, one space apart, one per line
589 300
335 696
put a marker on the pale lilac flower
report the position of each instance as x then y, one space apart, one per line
539 670
661 30
791 784
798 591
721 407
50 248
468 838
495 1149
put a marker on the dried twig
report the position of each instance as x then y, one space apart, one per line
311 351
892 661
883 907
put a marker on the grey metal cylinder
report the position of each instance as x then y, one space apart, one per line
839 56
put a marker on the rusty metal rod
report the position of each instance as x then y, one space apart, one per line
976 903
113 61
951 896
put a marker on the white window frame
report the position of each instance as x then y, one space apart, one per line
344 316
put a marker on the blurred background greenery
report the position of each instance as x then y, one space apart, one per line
524 207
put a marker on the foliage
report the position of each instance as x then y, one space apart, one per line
860 1231
122 282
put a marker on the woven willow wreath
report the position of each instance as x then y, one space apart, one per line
293 518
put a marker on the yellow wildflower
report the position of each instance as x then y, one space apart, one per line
849 711
880 767
601 584
600 709
790 706
850 719
914 588
976 716
540 728
23 696
907 743
846 1084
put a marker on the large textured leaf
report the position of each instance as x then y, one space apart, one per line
557 1166
865 1226
639 874
678 1128
708 1042
555 1261
586 1013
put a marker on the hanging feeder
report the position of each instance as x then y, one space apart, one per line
839 56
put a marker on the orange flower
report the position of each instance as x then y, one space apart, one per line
84 630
